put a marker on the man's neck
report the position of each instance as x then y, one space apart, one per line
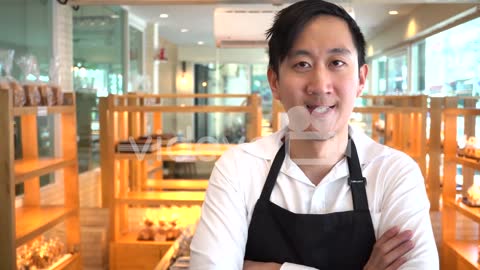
317 157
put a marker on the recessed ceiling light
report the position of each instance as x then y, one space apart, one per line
200 43
393 12
184 30
164 15
114 16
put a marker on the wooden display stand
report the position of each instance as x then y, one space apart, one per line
457 254
124 176
24 224
436 142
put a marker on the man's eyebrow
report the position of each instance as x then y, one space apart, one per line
339 50
300 53
344 51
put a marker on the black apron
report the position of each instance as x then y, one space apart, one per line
341 240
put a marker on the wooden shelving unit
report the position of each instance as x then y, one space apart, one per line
457 254
21 225
135 180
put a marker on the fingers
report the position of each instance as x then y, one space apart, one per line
390 248
388 235
397 253
396 264
247 265
396 241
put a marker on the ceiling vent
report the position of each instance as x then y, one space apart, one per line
242 28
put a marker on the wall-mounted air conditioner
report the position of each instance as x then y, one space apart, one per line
242 27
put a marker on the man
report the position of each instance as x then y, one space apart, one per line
319 194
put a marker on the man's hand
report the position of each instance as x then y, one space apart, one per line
388 251
251 265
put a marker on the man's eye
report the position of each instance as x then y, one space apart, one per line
302 65
338 63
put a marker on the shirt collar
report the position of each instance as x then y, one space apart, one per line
265 147
268 146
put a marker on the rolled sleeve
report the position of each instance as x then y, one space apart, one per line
405 204
221 234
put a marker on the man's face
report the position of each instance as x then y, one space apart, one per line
320 76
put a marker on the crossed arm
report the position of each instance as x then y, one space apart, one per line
405 238
388 253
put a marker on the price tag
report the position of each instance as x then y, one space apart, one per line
42 111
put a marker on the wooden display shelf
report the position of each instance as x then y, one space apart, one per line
18 111
185 184
30 168
131 238
155 155
21 225
33 221
127 116
164 197
469 162
470 212
181 152
458 254
462 111
185 109
146 254
71 262
466 251
389 109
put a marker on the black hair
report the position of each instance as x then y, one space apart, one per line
290 22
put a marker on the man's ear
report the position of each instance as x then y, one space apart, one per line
273 81
362 72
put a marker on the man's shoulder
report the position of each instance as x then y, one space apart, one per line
370 151
260 148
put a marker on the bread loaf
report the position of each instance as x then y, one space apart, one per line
58 94
47 96
33 95
19 97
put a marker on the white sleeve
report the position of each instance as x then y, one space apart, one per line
405 204
291 266
221 234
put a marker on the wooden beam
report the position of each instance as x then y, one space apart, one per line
7 189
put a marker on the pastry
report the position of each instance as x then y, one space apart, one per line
473 195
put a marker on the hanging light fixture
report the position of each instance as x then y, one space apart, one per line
183 80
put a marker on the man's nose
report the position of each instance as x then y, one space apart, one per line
319 82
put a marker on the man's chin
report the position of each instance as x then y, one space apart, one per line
312 134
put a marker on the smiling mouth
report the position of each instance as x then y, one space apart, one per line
319 109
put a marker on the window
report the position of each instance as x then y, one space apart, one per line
397 74
379 76
452 61
136 58
26 28
418 67
98 71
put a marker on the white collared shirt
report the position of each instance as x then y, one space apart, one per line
395 191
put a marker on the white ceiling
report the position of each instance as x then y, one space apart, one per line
371 15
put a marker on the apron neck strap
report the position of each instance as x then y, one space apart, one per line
356 180
272 174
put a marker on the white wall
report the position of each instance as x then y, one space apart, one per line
166 74
202 54
149 51
423 19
